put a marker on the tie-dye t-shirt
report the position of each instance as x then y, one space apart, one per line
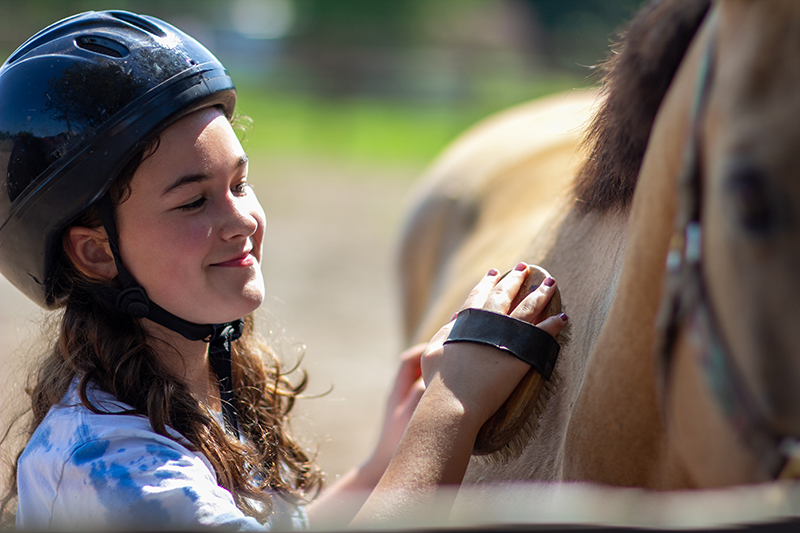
83 470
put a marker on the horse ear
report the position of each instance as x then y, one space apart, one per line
637 75
89 251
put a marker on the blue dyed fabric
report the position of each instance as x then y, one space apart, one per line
83 470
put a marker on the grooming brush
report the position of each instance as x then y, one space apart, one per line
506 434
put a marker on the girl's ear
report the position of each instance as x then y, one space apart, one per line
89 251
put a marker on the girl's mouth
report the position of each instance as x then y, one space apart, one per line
244 260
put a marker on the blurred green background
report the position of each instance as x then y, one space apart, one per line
376 81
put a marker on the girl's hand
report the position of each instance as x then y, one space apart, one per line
466 384
340 502
477 377
405 395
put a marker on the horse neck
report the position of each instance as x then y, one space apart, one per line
616 429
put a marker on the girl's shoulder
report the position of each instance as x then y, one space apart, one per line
84 468
71 432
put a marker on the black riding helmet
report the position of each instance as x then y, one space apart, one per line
77 101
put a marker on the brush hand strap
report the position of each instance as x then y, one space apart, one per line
521 339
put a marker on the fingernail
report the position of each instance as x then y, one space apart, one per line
563 317
549 282
492 272
521 267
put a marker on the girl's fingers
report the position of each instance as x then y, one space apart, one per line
496 294
410 364
500 298
536 302
477 298
554 324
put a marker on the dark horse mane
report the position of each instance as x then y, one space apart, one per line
636 76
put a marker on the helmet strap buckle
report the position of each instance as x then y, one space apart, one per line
133 301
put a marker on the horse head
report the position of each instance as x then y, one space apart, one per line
735 252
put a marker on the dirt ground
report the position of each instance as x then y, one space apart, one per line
329 270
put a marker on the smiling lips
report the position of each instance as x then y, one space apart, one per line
244 260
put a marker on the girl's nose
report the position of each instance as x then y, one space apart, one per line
244 216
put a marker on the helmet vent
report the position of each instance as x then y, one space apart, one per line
139 22
99 45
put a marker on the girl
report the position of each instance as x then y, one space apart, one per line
126 204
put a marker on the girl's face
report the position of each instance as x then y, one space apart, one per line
191 230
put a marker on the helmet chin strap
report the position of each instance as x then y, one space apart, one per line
132 300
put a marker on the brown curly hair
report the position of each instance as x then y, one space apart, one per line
100 346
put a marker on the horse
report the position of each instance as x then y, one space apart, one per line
677 371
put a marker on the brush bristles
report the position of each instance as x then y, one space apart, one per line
529 430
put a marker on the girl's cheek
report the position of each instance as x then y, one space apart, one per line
195 232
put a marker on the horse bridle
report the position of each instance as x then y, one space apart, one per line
686 305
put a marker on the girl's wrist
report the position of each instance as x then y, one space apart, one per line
443 405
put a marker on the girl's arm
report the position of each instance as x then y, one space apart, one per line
466 384
340 502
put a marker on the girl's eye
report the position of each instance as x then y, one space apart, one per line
194 205
241 188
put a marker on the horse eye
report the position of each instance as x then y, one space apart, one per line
750 199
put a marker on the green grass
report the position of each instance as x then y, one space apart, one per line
368 129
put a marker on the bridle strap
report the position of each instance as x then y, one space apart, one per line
733 395
686 306
683 258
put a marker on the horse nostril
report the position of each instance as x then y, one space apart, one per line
748 191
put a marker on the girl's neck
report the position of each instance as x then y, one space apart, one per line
188 360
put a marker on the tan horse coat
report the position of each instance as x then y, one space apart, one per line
483 199
576 248
498 215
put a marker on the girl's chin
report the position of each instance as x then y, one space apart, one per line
216 304
221 312
234 314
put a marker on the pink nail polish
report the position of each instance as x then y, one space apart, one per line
549 282
492 272
520 267
563 317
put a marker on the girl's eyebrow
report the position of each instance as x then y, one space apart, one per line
192 178
198 178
